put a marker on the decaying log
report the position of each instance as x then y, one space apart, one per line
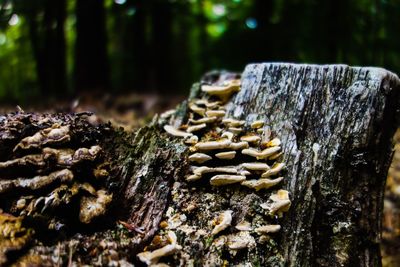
335 124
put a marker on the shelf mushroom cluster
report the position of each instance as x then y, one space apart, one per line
226 149
44 172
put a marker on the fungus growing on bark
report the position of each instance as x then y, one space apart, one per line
203 120
250 138
276 168
233 123
244 226
223 92
261 183
256 166
225 179
152 258
175 132
199 158
226 155
239 145
278 203
257 124
222 222
215 113
213 145
195 128
92 207
196 109
261 154
268 229
55 135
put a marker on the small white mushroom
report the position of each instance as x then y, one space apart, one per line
212 145
225 179
233 123
204 169
203 120
201 102
279 202
201 170
256 166
227 135
195 128
230 170
175 132
199 158
250 138
244 226
273 142
261 154
197 109
223 92
276 168
226 155
261 183
215 113
240 240
223 221
239 145
268 229
193 177
154 256
244 172
191 140
235 130
257 124
92 207
212 105
167 114
275 156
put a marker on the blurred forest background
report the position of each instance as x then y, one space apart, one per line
59 49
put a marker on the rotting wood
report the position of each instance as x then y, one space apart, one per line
335 125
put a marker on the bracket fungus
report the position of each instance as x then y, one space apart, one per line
57 178
54 135
222 222
223 92
213 145
262 183
278 203
196 128
226 155
268 229
199 158
222 153
175 132
152 258
276 168
225 179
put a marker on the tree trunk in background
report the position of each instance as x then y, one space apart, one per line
335 123
48 44
91 61
161 18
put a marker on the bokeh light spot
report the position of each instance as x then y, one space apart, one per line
120 2
13 20
251 23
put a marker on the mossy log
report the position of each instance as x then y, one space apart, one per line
335 124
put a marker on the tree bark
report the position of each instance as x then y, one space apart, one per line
91 61
335 123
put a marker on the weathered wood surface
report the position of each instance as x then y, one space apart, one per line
335 123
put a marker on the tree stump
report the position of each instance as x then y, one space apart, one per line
335 124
